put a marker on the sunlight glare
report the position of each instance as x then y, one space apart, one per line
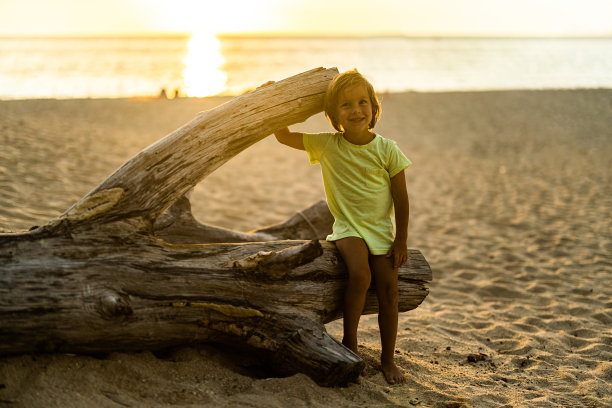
202 74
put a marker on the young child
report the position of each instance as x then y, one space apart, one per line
363 175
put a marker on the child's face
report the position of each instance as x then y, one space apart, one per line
354 109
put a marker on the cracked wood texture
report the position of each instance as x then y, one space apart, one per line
129 268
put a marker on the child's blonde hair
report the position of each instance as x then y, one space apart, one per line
339 84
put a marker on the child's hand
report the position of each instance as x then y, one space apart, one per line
399 253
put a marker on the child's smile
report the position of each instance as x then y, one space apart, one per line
355 112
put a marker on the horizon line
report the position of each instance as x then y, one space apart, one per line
305 35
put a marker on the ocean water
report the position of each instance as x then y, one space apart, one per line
201 66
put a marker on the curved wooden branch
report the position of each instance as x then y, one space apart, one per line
149 183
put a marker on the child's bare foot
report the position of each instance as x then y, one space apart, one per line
393 374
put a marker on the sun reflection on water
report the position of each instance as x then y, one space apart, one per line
203 75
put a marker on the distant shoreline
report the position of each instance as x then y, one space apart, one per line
227 96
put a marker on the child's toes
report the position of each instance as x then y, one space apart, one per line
393 374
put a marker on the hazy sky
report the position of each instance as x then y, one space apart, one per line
411 17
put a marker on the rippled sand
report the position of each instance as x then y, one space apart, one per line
510 203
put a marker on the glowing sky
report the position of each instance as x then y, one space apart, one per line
410 17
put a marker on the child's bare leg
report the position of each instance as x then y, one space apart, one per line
385 279
355 254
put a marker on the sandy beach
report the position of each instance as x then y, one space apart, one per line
511 204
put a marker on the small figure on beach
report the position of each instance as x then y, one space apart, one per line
363 175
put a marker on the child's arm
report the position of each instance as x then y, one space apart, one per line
399 249
291 139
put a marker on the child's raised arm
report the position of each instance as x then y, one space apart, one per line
291 139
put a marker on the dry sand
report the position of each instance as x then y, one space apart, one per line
510 202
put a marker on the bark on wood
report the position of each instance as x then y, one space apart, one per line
122 271
178 225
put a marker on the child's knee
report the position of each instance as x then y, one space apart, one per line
360 281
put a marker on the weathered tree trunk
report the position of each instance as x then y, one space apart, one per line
121 270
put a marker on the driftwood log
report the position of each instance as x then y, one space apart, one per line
129 268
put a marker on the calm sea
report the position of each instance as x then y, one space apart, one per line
200 66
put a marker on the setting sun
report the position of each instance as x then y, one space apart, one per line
203 75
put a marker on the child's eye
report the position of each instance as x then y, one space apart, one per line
363 101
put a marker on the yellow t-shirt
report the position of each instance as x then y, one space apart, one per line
357 185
